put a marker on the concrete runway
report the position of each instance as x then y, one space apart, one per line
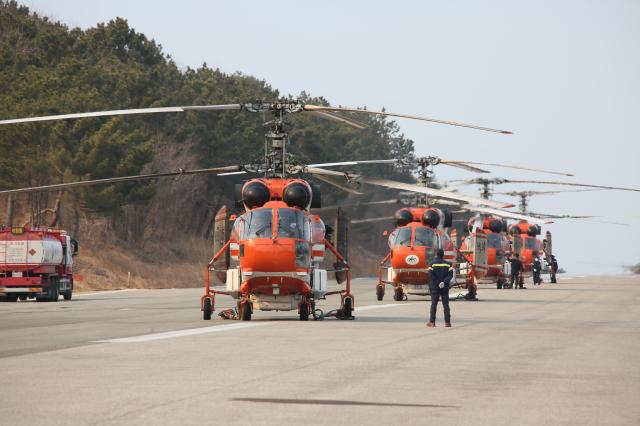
555 354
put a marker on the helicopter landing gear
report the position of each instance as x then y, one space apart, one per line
500 283
346 311
380 291
207 308
304 309
244 309
472 293
398 294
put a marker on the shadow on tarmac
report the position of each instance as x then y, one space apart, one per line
298 401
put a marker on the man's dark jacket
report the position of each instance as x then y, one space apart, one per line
440 271
537 266
516 265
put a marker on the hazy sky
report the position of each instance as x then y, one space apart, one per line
563 75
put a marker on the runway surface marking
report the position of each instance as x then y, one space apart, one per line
182 333
389 305
100 293
216 328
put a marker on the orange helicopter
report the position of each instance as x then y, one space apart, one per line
278 246
413 243
277 243
500 244
522 236
498 247
420 231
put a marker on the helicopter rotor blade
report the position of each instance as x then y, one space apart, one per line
125 112
508 214
412 117
506 166
498 181
436 193
337 185
531 193
181 172
367 203
464 166
584 185
373 219
336 118
585 218
353 163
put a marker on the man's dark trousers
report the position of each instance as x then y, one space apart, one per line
436 294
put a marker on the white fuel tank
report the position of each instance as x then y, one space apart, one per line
31 252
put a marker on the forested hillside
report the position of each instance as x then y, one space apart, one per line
151 228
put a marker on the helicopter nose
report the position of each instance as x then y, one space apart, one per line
268 257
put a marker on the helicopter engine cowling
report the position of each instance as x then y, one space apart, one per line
431 218
495 225
533 230
255 194
298 194
403 217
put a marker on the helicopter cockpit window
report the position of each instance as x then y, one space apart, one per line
293 224
392 238
425 237
403 237
257 224
494 241
531 243
517 244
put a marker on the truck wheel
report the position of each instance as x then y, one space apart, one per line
12 297
68 294
304 312
380 292
245 311
207 309
54 290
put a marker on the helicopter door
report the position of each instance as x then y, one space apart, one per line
480 254
220 237
341 239
454 238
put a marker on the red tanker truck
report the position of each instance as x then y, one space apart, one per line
36 263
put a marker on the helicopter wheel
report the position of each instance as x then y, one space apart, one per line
244 310
380 292
207 309
304 311
347 308
398 294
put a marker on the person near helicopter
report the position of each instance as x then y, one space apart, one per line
516 272
553 269
440 275
537 269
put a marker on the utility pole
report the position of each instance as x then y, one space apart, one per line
10 210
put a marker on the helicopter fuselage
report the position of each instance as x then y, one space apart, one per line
412 249
277 247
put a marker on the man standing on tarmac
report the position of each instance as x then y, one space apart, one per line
516 270
554 268
537 268
440 275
